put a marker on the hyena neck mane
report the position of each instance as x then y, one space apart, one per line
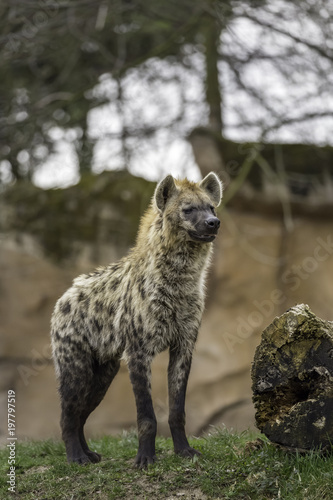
163 248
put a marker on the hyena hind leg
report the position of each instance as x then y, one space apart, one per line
103 376
81 392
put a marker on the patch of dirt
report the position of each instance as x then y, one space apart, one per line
38 470
193 494
252 446
152 490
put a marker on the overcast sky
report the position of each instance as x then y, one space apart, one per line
151 101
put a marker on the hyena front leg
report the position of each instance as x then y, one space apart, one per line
140 373
178 372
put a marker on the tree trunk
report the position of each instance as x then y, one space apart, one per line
212 33
85 153
292 377
205 147
205 140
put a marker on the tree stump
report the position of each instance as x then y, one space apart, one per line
292 377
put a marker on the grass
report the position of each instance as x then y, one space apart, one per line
232 466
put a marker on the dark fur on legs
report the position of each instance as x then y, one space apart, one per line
91 386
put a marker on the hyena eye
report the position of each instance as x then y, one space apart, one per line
212 209
188 210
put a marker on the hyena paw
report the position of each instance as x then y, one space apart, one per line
80 459
143 460
94 457
188 452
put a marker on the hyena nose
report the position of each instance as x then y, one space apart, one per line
212 223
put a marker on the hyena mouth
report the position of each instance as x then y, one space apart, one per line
205 238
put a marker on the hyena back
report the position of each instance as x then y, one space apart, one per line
149 301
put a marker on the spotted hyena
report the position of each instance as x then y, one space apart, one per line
149 301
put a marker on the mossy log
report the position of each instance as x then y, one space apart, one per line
292 376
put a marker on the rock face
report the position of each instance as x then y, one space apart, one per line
292 378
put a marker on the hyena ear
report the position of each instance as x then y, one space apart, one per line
164 190
213 186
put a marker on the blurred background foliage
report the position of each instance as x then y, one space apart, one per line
119 73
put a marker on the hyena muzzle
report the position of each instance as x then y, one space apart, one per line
151 300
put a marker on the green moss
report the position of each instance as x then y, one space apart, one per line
305 159
100 208
305 163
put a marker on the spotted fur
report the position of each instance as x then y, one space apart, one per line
151 300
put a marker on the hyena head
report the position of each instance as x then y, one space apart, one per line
188 208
